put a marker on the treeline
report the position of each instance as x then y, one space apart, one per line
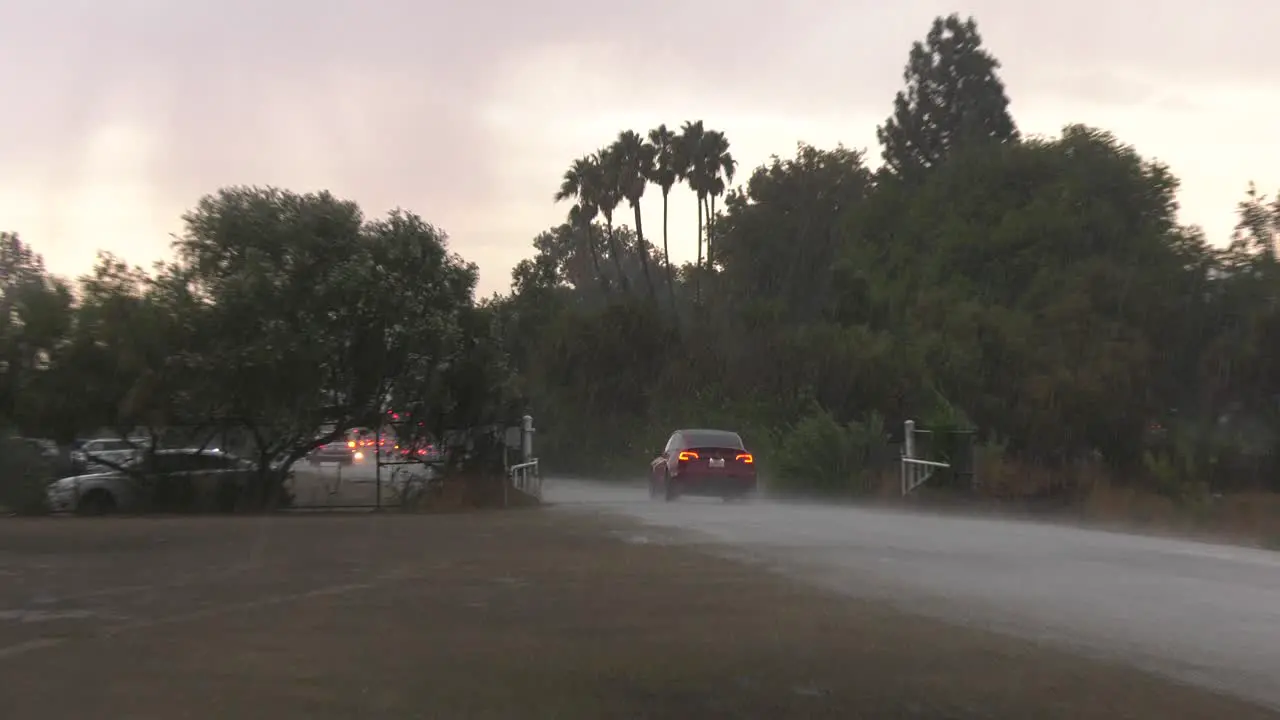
1039 290
283 318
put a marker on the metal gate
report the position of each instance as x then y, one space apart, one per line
926 453
401 464
525 475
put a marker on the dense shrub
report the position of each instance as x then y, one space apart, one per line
24 475
823 455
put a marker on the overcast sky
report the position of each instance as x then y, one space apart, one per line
118 114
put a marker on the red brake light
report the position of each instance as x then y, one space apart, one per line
688 455
746 458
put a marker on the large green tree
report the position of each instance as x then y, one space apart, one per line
609 195
781 234
35 315
635 162
581 183
953 96
663 173
690 170
313 317
717 167
1042 279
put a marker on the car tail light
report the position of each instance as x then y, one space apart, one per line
746 458
688 455
351 443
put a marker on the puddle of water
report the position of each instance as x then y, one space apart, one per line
38 616
808 690
511 581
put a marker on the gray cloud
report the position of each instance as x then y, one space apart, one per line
393 102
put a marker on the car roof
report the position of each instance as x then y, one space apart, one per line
708 431
707 436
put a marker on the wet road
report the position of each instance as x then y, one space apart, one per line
1204 614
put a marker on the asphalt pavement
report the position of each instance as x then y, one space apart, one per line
1204 614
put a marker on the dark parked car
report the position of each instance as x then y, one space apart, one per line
703 462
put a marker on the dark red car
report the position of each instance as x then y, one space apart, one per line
703 462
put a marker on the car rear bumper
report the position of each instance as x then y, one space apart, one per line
719 484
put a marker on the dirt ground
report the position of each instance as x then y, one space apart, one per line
518 614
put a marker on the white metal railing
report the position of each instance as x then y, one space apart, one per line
526 478
916 472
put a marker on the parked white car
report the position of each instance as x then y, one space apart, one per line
113 450
202 472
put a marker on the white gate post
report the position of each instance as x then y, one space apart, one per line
906 471
526 438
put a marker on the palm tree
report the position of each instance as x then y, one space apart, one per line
580 182
663 174
689 170
635 164
609 194
718 167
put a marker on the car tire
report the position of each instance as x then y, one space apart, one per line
668 488
96 502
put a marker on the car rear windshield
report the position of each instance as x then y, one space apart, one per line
711 438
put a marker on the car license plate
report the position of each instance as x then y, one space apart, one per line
717 462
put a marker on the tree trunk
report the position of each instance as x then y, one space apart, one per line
697 274
666 252
644 253
617 257
711 216
595 260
